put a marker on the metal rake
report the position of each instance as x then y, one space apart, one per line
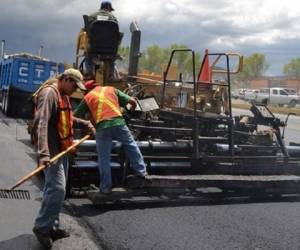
24 194
15 194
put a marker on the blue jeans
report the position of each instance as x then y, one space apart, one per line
104 139
54 195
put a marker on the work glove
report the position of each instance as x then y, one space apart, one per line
133 103
91 128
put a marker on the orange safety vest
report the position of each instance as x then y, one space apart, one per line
65 120
103 103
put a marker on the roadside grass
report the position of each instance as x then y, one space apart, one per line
279 110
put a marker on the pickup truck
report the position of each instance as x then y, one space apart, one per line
278 96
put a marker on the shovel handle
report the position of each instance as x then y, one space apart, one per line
53 159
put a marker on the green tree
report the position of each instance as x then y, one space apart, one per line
124 54
254 66
292 68
154 58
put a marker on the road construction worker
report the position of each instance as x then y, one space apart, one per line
104 11
103 105
103 14
53 126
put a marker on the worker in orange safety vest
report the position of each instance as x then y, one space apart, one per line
53 128
103 104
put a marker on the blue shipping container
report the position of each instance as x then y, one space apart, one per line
19 78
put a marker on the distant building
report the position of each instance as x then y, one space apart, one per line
276 81
293 83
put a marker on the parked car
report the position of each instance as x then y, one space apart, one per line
241 93
235 94
250 94
277 96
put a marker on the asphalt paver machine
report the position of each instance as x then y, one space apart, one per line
191 141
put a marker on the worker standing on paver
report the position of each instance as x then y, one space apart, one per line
53 127
103 104
105 10
103 14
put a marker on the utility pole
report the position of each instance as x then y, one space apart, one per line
2 49
41 50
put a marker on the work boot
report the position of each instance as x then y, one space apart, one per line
106 192
58 233
43 238
141 175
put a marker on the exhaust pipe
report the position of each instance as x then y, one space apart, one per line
134 49
41 50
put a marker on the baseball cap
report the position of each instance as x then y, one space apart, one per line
75 75
106 5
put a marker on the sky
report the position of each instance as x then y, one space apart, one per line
270 27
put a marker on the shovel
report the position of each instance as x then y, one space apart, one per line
24 194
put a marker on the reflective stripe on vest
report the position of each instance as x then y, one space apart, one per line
100 106
65 117
64 121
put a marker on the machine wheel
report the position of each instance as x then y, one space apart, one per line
3 101
69 178
10 104
265 101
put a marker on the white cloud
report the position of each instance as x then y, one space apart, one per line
243 25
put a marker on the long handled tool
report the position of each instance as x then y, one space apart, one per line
24 194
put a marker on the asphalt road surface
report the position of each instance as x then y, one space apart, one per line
232 223
17 216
